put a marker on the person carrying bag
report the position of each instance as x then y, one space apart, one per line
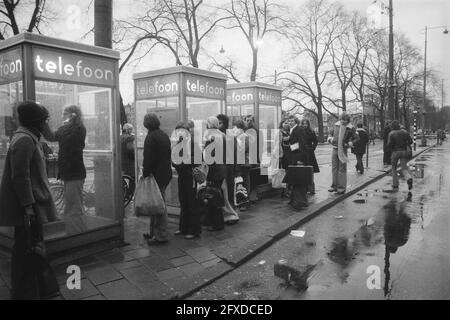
148 199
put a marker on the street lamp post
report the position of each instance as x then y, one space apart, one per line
425 74
391 104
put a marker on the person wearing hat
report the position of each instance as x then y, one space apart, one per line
25 192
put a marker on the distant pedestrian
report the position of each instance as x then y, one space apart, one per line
25 193
372 137
311 145
157 162
399 141
127 143
359 149
343 136
386 150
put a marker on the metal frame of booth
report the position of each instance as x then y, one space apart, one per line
175 94
49 67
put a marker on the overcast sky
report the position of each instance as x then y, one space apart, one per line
410 17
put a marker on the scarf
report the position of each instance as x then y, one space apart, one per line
341 154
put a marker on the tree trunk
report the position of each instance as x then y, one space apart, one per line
344 100
255 65
320 122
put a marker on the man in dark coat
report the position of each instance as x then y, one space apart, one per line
297 155
24 190
157 162
359 149
311 143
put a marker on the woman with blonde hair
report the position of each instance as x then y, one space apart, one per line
71 138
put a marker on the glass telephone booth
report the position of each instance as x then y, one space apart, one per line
175 94
263 102
58 73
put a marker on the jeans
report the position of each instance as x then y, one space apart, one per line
73 207
158 223
359 162
403 157
339 171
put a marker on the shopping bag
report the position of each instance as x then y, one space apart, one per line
240 192
277 179
148 198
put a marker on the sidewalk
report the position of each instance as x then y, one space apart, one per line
176 269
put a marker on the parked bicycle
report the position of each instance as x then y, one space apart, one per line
57 189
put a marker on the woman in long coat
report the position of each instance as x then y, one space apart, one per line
311 145
24 190
190 225
71 170
157 162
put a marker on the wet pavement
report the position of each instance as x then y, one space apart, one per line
138 271
377 244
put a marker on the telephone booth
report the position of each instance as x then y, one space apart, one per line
175 94
58 73
263 102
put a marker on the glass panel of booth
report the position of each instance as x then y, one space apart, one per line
168 112
200 109
268 120
95 208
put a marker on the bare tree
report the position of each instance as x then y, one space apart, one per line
349 54
312 36
255 19
178 25
32 15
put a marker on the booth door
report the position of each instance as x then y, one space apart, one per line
269 120
98 192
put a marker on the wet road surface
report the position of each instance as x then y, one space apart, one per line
377 244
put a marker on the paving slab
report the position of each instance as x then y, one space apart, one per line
102 275
87 290
180 261
120 290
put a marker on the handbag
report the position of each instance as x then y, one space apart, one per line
41 275
148 199
200 173
277 179
299 175
210 195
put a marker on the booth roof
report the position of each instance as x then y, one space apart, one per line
254 84
180 69
45 41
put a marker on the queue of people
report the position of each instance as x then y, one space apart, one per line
203 187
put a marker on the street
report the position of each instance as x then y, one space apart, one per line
376 244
